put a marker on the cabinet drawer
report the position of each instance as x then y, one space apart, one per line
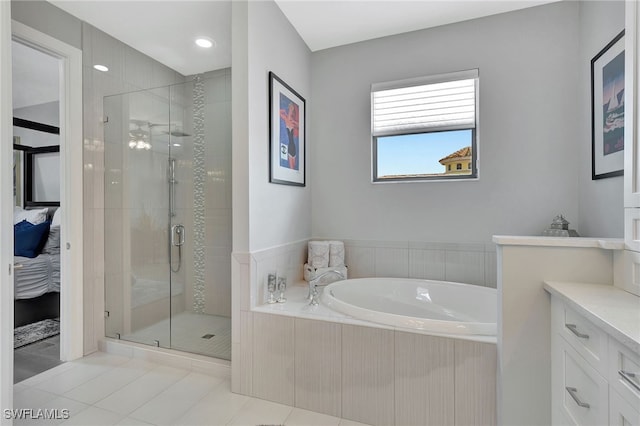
589 340
624 371
621 413
584 393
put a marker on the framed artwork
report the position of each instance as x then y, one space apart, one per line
607 110
287 126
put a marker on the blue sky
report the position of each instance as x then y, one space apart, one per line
418 154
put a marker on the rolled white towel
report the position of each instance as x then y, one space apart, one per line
318 254
336 253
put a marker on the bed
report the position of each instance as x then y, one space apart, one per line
36 267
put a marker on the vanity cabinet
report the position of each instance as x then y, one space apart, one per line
631 262
595 378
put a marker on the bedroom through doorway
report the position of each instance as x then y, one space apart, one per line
36 104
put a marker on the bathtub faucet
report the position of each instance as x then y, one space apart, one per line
315 282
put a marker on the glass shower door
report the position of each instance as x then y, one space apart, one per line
137 195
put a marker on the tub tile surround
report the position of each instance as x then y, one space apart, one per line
376 376
469 263
345 368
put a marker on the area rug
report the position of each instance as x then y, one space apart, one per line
34 332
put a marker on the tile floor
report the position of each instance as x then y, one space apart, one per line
106 389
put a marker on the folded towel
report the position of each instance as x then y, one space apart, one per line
318 254
311 272
336 253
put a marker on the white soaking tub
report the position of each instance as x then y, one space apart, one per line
430 306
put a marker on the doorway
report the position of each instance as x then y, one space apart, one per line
67 166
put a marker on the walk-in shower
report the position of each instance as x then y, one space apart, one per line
168 216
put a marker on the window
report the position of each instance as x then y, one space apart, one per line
421 127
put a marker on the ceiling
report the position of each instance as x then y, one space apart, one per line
331 23
165 29
35 76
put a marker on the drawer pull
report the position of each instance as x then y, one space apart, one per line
627 376
572 392
574 329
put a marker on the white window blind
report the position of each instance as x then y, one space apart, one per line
446 102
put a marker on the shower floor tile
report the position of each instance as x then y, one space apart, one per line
191 333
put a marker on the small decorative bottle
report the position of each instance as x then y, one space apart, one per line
271 287
282 286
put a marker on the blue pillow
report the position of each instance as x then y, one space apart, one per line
29 238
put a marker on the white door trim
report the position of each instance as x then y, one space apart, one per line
71 190
6 215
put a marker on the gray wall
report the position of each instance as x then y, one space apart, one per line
601 201
48 19
527 133
277 214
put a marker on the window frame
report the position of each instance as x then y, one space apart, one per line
453 76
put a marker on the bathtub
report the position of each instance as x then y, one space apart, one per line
429 306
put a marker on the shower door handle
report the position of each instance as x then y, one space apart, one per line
177 235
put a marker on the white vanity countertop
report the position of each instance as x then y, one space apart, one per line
298 306
612 309
602 243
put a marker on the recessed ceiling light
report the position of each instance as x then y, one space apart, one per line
205 42
101 68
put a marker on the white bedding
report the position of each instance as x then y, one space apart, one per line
36 276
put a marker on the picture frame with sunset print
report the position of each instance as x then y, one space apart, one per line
607 110
287 134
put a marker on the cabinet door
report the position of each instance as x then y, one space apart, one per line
631 282
631 119
582 393
621 413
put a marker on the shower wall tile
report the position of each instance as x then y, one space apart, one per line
161 75
218 228
108 51
114 297
98 243
318 369
128 70
427 264
368 375
137 68
215 90
424 380
98 322
465 267
273 352
88 246
391 262
114 177
218 285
